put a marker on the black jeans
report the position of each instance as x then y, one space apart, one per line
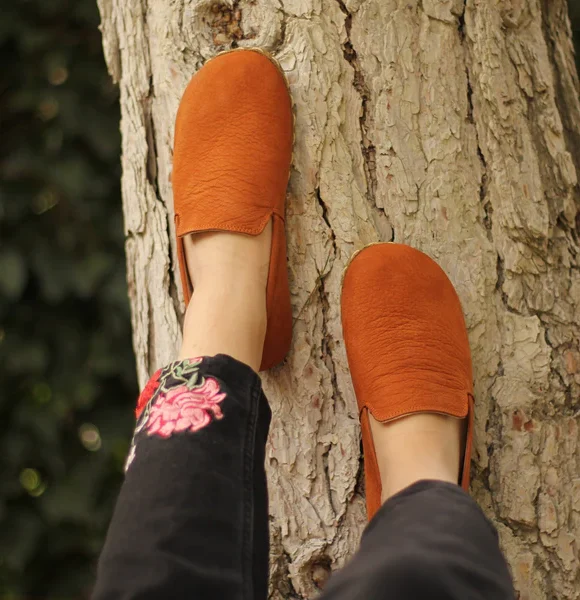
191 520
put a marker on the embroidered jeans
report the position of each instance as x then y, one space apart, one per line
191 520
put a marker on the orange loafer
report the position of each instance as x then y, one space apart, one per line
231 163
406 344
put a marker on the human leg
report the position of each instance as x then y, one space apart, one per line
191 519
430 540
191 513
409 357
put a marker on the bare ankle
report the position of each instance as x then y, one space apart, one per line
225 322
227 312
225 257
421 446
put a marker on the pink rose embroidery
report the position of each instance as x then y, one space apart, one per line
182 409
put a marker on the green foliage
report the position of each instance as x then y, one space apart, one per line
67 373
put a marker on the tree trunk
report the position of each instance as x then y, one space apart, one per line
451 126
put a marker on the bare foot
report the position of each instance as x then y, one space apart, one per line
420 446
227 312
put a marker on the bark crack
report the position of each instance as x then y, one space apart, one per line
500 290
326 338
485 202
151 169
328 359
279 43
327 480
359 83
325 218
322 273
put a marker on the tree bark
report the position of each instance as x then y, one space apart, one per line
451 126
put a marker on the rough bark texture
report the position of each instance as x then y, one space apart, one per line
448 125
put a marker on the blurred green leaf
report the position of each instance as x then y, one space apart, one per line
12 274
18 539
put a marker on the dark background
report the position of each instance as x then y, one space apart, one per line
67 373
